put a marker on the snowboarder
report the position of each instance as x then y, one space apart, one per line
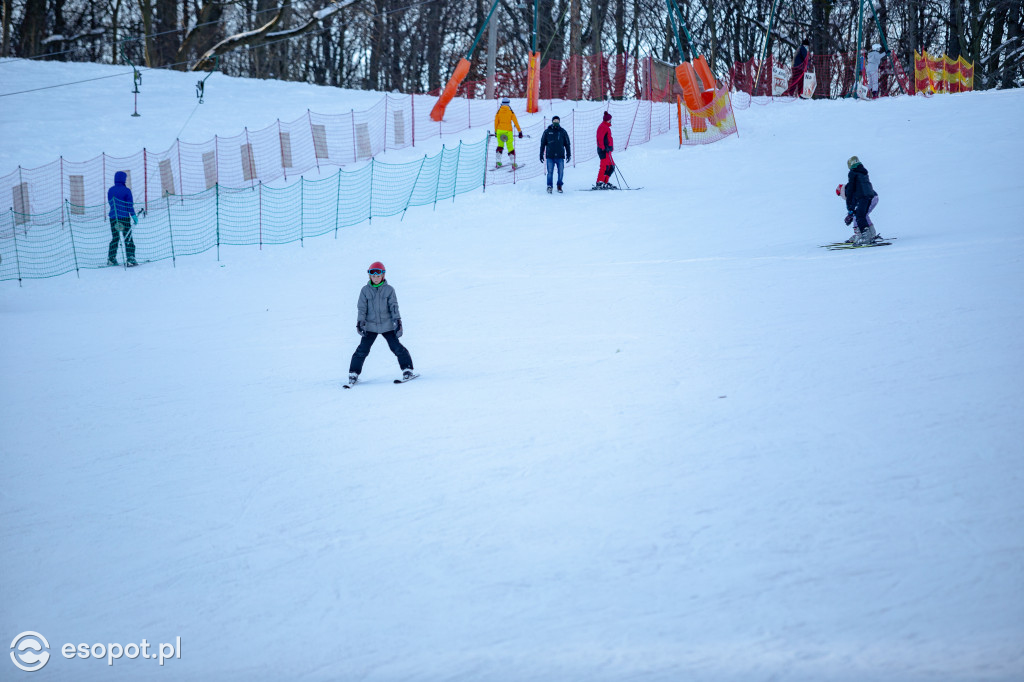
503 122
796 82
605 146
861 199
555 144
875 57
378 314
122 215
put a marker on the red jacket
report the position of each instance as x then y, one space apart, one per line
604 138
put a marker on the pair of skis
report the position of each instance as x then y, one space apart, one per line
847 246
397 381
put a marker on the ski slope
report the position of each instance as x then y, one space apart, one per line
659 435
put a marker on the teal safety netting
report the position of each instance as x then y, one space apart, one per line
72 238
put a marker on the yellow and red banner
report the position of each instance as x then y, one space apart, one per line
934 74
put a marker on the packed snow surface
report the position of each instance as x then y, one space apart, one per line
659 435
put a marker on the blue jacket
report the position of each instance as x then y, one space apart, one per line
122 205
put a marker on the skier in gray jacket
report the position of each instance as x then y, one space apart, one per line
378 314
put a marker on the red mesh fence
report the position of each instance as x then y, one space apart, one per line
834 76
590 77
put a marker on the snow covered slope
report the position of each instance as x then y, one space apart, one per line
659 435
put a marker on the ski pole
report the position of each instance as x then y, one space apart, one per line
621 176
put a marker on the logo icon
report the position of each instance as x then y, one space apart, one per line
29 655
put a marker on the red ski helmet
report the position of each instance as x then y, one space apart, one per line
376 265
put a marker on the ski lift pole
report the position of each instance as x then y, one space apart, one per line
136 78
461 71
675 31
686 32
536 10
764 50
201 85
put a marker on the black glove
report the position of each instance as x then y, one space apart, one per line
568 158
849 218
361 328
520 134
398 327
600 153
542 158
610 149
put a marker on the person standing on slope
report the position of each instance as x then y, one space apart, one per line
378 314
555 144
122 215
874 60
861 199
796 82
503 122
605 146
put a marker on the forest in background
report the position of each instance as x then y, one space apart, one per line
412 45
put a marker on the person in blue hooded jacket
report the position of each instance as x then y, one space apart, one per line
122 215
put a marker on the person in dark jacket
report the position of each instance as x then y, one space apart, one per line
605 146
554 143
861 199
378 314
122 215
800 62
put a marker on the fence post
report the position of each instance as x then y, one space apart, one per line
574 134
412 104
259 203
181 178
355 154
458 159
216 190
417 181
337 205
486 149
437 184
635 112
280 145
62 199
371 189
14 233
302 209
386 121
316 157
71 231
174 260
145 179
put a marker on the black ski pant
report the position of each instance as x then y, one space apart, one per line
119 226
864 206
404 359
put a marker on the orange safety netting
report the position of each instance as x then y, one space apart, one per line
942 74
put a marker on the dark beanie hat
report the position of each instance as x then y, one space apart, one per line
607 116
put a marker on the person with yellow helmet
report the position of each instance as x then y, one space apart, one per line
503 122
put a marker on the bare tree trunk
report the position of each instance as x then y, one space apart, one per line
434 43
575 50
5 45
33 27
620 26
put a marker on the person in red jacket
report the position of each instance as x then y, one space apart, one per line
604 151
